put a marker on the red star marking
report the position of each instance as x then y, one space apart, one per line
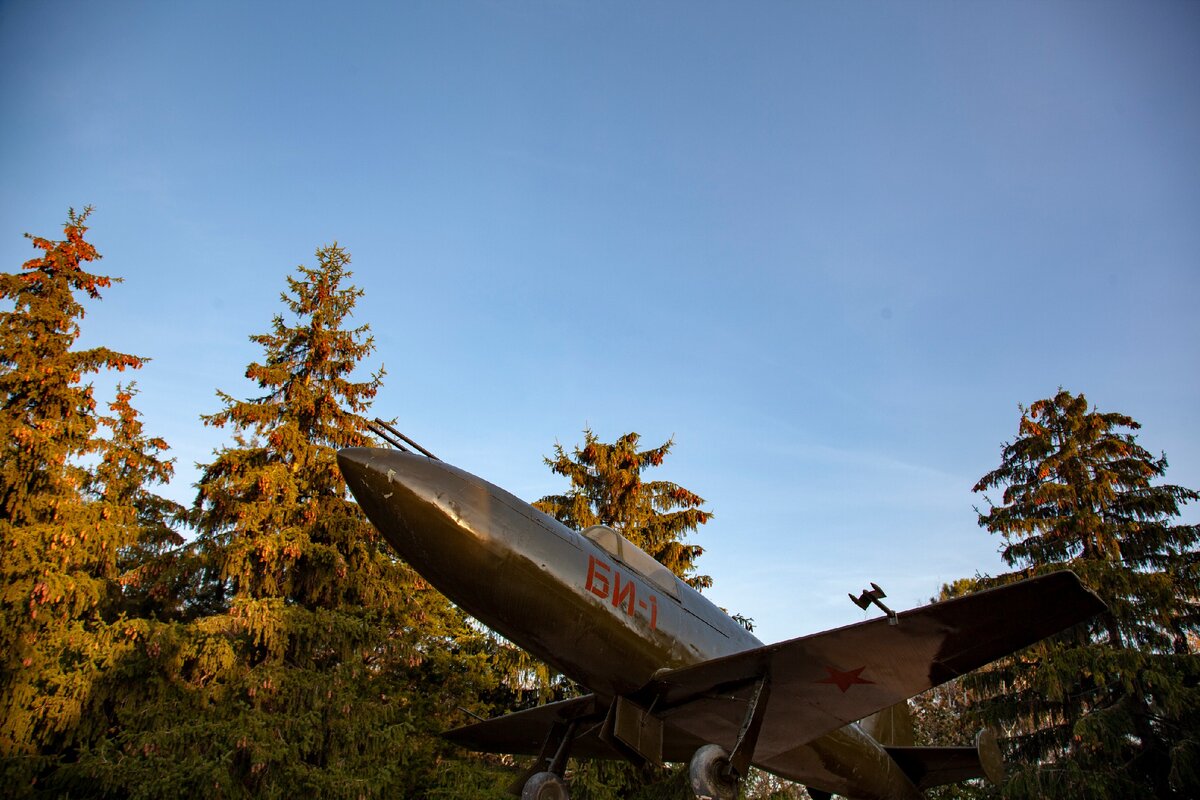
844 680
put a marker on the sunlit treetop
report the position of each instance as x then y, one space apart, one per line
48 414
275 499
1077 484
606 488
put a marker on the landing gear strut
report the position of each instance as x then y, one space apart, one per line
544 780
714 773
711 774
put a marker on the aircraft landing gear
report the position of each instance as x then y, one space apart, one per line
715 772
544 786
712 776
544 780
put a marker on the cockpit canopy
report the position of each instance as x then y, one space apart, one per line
633 557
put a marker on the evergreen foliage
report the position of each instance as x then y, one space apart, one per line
69 535
153 567
332 661
1110 708
607 489
287 651
621 780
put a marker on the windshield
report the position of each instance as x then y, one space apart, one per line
633 557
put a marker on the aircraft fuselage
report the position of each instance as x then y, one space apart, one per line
544 586
574 603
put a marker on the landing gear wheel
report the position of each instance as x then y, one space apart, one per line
710 774
544 786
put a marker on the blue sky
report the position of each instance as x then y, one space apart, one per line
829 247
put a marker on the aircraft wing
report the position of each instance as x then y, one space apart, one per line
822 682
818 683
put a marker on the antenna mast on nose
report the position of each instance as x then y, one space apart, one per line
394 437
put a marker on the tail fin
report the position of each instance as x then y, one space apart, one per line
891 727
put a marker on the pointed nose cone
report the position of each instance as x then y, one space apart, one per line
369 472
372 470
354 462
401 493
429 511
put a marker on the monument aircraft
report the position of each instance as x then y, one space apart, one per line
672 677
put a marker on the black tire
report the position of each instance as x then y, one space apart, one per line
544 786
710 776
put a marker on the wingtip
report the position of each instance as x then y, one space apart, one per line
1090 602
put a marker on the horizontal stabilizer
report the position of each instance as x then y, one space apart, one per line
927 767
933 766
523 733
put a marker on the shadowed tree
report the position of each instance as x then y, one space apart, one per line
1108 709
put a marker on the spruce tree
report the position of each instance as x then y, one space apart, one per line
340 659
62 539
1108 709
154 566
607 489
